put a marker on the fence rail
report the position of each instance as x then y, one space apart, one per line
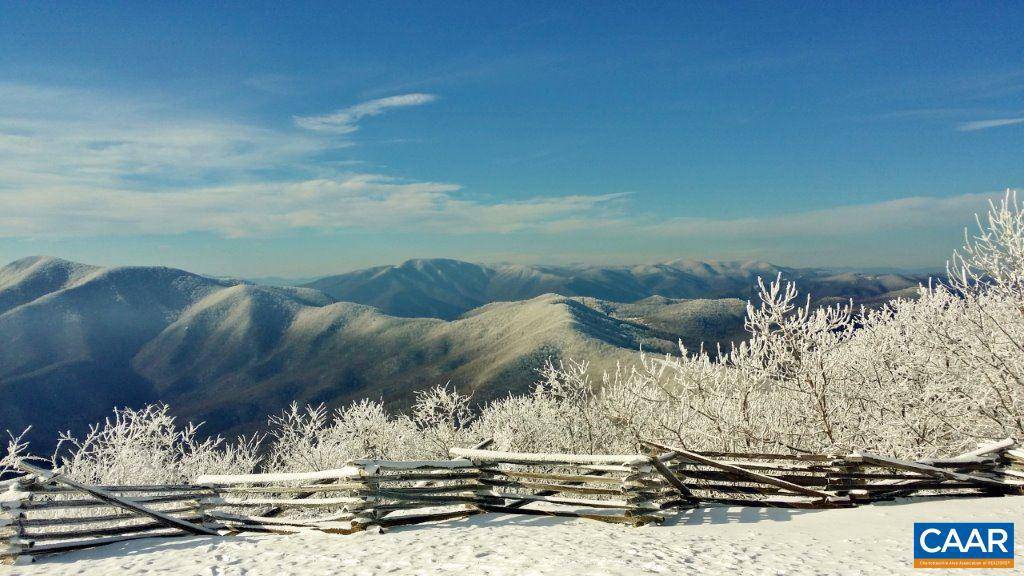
43 513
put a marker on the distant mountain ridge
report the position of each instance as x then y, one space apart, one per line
444 288
77 340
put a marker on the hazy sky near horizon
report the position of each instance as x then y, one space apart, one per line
307 138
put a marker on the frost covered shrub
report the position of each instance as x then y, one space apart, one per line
932 375
314 438
561 414
147 447
941 372
442 417
15 450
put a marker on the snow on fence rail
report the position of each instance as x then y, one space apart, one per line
40 516
42 512
610 488
816 481
366 493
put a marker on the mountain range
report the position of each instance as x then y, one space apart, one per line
77 340
442 288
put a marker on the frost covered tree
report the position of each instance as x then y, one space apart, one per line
929 375
442 417
146 446
315 438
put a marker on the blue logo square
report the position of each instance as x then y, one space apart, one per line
963 540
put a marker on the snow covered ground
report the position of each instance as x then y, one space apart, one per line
876 539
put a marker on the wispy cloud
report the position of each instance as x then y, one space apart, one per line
986 124
54 137
347 120
353 201
79 163
902 215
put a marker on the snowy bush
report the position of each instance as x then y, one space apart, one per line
314 438
923 376
442 417
147 447
560 415
15 450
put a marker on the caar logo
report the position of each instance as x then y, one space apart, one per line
963 545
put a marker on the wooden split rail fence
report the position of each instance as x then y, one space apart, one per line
611 488
365 493
823 481
43 513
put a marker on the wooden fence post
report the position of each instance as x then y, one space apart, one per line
367 517
11 526
488 478
670 477
843 486
640 500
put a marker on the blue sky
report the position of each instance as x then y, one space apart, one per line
304 139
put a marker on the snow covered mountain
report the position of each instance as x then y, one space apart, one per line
76 340
441 288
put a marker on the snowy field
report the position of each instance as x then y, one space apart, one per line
874 539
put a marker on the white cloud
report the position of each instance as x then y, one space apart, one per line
76 164
346 120
349 202
986 124
902 214
74 139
